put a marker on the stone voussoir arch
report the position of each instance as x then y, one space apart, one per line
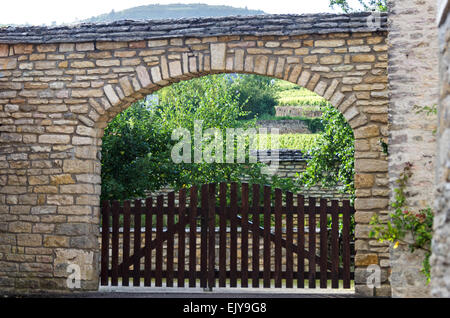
59 88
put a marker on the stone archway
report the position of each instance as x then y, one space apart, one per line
56 98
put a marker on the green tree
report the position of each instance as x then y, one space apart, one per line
137 145
332 158
256 93
134 155
212 100
366 5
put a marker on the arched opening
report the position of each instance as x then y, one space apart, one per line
147 80
286 221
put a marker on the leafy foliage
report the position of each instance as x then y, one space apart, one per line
304 142
403 221
256 93
134 155
212 100
366 5
332 157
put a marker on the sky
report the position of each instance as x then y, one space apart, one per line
40 12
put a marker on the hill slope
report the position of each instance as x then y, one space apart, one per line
172 11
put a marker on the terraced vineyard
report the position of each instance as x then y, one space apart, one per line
304 142
290 94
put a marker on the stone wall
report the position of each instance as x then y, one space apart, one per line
285 126
440 260
413 81
59 88
295 111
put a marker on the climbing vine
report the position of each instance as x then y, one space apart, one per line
403 221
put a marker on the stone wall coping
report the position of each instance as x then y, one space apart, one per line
257 25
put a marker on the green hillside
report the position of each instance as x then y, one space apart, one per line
172 11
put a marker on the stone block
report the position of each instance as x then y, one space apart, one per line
111 95
366 259
61 179
8 63
29 240
331 59
363 58
218 56
56 241
143 76
371 203
364 180
329 43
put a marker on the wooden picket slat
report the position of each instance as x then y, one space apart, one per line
211 235
312 242
223 234
285 240
204 237
255 236
233 234
193 201
105 244
126 243
244 235
289 241
115 244
335 244
159 241
300 241
181 236
346 243
267 225
278 235
170 238
148 239
137 242
323 242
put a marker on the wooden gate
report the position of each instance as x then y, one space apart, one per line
244 237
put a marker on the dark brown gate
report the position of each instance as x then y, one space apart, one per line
248 237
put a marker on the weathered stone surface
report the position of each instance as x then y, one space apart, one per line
364 180
54 139
406 277
218 53
371 165
143 76
111 94
29 239
82 258
369 204
367 132
61 179
77 166
56 241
